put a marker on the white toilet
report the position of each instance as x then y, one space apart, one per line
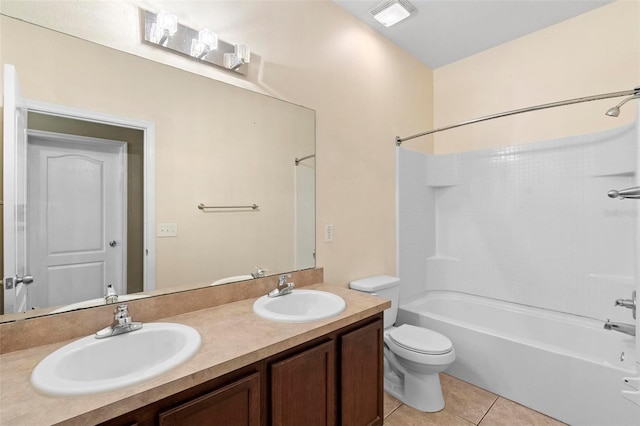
413 356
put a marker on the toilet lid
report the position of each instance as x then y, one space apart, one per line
422 340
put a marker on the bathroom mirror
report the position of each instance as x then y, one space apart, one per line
215 145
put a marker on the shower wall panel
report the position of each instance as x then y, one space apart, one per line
416 221
529 224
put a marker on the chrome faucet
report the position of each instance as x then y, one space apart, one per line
629 329
283 288
121 324
259 272
111 296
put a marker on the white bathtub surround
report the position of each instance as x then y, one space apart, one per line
564 366
529 224
520 255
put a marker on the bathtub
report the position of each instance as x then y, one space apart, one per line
564 366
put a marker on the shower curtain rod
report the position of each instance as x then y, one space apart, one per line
298 160
634 91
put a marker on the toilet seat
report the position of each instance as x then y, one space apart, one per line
420 340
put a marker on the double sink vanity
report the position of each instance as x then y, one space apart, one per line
312 356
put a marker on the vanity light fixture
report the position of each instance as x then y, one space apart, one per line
163 30
391 12
206 42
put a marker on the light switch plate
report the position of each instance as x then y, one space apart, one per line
167 230
328 233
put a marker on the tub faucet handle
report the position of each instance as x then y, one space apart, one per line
628 303
633 382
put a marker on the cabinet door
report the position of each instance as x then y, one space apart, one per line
303 388
237 404
361 390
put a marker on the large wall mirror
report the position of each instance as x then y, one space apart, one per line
215 145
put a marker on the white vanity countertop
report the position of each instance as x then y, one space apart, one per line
232 337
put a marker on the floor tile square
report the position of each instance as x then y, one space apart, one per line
508 413
466 400
407 416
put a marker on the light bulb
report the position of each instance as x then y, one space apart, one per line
243 53
167 22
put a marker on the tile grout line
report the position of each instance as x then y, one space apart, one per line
487 412
394 410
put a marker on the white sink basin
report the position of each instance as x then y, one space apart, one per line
300 306
91 365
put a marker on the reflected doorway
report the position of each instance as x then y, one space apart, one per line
134 202
138 267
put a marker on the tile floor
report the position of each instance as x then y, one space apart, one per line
465 405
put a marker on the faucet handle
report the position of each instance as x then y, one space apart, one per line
282 279
628 303
122 315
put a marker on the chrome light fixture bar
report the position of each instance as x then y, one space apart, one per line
163 30
391 12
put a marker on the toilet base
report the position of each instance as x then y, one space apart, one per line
420 391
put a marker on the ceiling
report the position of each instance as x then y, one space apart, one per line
444 31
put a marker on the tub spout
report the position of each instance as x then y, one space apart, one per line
629 329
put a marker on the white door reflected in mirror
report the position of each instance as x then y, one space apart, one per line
77 193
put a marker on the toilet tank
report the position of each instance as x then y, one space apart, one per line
384 286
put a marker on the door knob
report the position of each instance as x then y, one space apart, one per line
26 279
113 243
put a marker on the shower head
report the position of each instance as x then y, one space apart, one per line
615 111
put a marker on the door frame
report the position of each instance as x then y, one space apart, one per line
148 129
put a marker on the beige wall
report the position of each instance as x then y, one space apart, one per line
364 89
597 52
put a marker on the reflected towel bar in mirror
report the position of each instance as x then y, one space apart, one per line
252 206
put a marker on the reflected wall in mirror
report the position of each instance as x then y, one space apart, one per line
215 144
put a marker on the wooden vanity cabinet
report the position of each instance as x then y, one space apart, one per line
336 382
303 388
332 380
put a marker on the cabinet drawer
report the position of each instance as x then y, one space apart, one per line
237 404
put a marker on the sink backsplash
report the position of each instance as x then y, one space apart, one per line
26 333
